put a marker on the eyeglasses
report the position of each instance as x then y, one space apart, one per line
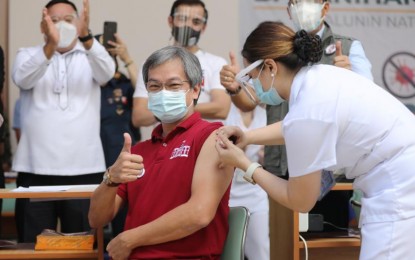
175 85
244 79
70 18
182 19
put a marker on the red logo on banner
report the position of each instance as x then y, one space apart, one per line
399 75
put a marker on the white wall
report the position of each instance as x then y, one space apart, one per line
142 24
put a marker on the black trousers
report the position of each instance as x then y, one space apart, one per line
34 216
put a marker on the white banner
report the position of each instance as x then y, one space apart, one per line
386 29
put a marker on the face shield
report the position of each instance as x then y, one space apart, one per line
306 14
269 96
245 80
187 27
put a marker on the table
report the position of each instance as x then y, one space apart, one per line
26 250
285 242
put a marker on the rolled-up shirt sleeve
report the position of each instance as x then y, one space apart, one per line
360 63
140 88
311 145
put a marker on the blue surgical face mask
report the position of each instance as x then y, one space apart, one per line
270 97
168 106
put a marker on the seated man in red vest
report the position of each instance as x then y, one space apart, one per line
174 185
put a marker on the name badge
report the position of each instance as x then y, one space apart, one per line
330 49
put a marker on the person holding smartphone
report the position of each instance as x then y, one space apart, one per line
116 109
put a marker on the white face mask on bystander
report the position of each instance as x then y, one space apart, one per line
306 15
67 34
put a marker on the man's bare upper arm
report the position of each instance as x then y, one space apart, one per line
210 180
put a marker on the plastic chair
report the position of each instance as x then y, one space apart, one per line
355 202
235 241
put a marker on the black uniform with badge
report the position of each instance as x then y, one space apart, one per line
116 112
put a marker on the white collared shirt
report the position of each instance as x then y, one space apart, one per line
339 119
60 110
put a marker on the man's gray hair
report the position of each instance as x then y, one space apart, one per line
189 61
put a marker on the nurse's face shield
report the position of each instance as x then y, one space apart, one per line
244 79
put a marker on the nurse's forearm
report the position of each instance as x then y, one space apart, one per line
268 135
299 193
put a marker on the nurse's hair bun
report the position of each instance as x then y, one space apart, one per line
308 47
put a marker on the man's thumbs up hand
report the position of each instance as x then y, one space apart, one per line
127 143
128 167
228 73
339 48
341 60
234 62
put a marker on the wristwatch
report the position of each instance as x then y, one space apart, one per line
250 171
235 92
86 38
107 179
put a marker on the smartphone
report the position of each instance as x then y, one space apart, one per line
110 28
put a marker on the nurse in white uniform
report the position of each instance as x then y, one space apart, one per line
337 119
